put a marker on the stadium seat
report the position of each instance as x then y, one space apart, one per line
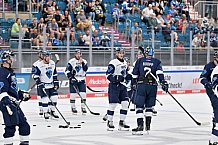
28 22
109 18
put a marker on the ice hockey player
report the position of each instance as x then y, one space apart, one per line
209 79
40 58
45 75
76 72
10 95
117 91
146 87
127 82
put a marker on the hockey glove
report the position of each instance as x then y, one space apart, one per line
56 85
42 91
165 86
210 86
134 84
24 95
119 78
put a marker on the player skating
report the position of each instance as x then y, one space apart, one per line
117 91
45 75
40 58
209 80
10 107
146 91
76 72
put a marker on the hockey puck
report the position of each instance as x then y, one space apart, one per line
82 122
48 126
77 127
132 109
34 125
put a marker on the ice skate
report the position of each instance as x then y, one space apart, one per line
53 114
40 112
215 143
123 126
74 110
83 111
138 130
110 126
46 115
105 117
154 112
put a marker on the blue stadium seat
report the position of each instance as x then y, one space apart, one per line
11 21
14 44
4 33
4 23
28 22
109 18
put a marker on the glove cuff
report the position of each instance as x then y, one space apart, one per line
2 95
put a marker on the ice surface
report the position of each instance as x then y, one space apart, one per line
171 126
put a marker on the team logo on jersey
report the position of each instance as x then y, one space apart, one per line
14 83
49 73
78 68
123 72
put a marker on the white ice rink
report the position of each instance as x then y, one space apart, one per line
171 126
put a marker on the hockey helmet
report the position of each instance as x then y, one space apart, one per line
119 49
46 53
149 51
215 55
7 54
77 51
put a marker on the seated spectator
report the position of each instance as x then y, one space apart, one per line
167 34
117 13
136 32
82 25
213 40
105 40
205 23
55 41
125 7
49 46
146 12
53 27
48 16
99 13
40 39
77 9
160 21
95 39
34 38
41 25
16 28
133 7
33 25
90 11
87 38
26 32
81 16
67 18
58 17
196 42
182 24
172 11
81 41
153 23
180 47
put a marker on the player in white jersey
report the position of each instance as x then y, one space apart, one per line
40 58
76 72
117 91
45 75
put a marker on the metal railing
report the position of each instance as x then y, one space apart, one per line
210 7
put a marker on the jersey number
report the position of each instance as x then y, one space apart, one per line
147 70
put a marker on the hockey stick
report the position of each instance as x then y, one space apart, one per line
196 122
77 91
94 90
159 102
60 126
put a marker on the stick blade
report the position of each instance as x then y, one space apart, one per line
203 124
95 113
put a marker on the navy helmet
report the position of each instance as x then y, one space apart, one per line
77 51
149 51
7 54
126 59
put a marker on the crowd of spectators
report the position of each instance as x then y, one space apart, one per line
83 18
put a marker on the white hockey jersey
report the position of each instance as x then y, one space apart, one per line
75 65
45 73
119 68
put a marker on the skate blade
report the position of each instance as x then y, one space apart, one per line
137 133
110 129
123 129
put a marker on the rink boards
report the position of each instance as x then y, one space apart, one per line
181 80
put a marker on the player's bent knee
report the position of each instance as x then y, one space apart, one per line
112 106
125 105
